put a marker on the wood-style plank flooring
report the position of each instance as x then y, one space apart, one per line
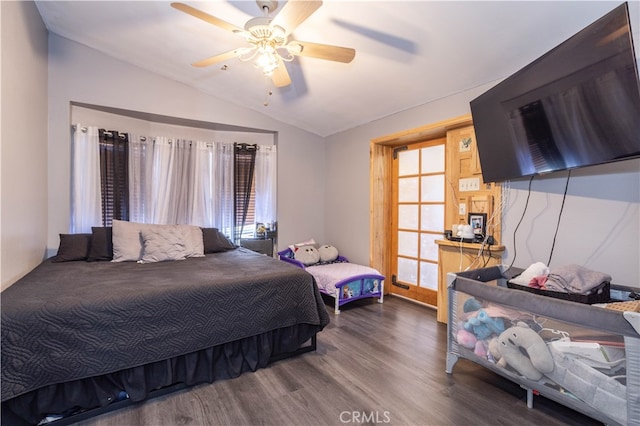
375 364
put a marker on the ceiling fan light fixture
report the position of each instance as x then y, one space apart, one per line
267 45
267 62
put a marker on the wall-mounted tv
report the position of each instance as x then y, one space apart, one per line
577 105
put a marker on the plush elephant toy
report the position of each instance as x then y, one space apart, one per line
524 350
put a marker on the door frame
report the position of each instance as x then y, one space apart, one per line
381 183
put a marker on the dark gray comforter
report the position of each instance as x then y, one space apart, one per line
72 320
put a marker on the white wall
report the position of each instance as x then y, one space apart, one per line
23 169
83 75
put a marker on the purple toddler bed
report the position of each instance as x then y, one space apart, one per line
342 280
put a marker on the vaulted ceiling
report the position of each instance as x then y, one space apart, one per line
408 53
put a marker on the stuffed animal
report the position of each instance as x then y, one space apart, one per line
307 255
328 253
524 350
481 349
483 325
466 338
493 350
471 305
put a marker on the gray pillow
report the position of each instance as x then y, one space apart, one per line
101 244
73 247
215 241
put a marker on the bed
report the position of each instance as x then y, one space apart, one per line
83 337
341 280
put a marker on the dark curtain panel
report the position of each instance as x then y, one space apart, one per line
244 161
114 175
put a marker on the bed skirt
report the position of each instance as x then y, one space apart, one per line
229 360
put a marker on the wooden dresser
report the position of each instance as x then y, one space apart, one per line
454 256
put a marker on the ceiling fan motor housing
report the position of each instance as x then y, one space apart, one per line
271 5
261 29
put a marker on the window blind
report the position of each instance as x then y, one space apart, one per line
244 158
114 175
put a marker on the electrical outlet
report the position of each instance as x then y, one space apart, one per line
462 209
469 184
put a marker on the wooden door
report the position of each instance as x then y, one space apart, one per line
418 218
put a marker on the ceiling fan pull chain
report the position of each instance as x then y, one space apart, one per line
268 92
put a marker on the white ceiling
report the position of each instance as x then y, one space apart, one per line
408 52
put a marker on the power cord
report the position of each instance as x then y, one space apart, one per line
564 197
526 205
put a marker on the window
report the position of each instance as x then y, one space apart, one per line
160 180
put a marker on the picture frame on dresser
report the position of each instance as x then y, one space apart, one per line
478 222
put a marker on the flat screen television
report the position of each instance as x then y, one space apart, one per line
577 105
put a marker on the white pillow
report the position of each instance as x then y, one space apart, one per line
309 242
162 243
193 240
127 241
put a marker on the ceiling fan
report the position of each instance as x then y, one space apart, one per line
268 38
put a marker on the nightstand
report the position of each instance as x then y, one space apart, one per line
259 245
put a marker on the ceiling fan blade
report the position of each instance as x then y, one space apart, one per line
294 13
206 17
280 76
215 59
322 51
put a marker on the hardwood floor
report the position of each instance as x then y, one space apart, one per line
375 364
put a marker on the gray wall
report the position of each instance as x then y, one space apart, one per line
599 227
347 206
23 169
80 74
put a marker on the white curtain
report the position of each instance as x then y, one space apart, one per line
86 201
166 180
171 181
221 181
265 184
161 181
200 185
140 177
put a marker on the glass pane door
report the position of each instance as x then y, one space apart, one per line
419 219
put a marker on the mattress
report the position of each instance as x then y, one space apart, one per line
328 275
